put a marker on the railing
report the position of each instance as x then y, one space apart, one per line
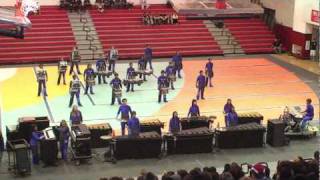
89 37
93 49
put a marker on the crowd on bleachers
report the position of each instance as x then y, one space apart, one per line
298 169
75 5
151 19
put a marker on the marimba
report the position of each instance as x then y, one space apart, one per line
249 117
151 125
146 145
197 140
98 130
241 136
196 122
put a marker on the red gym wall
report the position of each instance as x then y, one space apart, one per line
289 37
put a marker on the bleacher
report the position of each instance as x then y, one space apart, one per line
49 39
124 30
253 35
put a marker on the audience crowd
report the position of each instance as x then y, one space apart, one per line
150 19
298 169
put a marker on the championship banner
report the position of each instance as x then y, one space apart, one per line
315 16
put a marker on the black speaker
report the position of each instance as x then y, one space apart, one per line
275 133
49 151
23 164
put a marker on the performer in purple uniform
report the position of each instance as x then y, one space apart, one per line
75 115
174 125
133 125
171 74
194 109
162 87
209 72
89 77
116 85
148 55
231 117
201 84
125 111
36 136
177 59
130 76
64 139
309 113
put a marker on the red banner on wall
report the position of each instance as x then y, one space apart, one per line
315 16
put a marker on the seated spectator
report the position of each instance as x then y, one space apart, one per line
277 46
174 18
183 173
259 172
100 5
226 176
236 171
316 156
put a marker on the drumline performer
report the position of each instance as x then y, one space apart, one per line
126 112
113 57
163 87
89 77
116 85
142 66
131 74
101 67
75 86
62 69
42 78
171 74
75 60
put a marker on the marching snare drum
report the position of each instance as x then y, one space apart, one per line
172 77
148 72
117 92
91 81
164 90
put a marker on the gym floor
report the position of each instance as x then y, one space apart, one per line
263 84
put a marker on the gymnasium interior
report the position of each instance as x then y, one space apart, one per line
261 55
